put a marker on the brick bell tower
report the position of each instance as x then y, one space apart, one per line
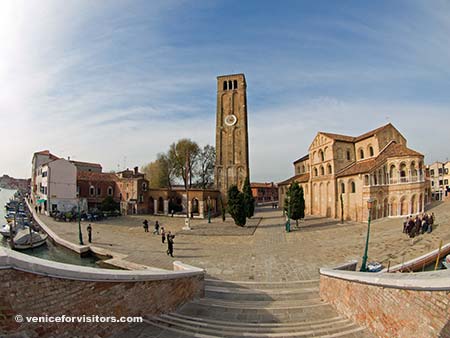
232 165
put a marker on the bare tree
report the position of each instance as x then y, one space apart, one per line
205 166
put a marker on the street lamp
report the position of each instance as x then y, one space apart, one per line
80 235
364 259
209 209
288 222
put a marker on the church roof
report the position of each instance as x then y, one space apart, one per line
393 149
96 176
346 138
302 178
306 157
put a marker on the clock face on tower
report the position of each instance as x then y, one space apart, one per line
230 120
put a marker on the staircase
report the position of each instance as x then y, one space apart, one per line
247 309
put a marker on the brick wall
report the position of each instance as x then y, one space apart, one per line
29 294
390 312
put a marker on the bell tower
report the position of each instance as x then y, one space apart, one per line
232 165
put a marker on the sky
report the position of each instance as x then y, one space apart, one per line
116 82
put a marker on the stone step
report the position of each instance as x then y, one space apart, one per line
307 283
260 315
261 304
261 294
337 330
254 328
247 324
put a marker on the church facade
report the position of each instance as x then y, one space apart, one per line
341 173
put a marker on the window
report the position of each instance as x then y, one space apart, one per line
445 182
353 187
315 171
432 172
330 170
144 186
99 191
366 180
371 151
361 154
321 155
322 171
230 85
235 84
446 171
440 171
44 174
349 156
224 85
110 191
432 183
92 191
342 188
141 198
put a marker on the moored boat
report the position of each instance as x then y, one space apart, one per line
27 239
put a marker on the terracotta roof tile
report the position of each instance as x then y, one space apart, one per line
87 164
346 138
263 185
302 178
339 137
306 157
95 176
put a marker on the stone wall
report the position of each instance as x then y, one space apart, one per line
396 309
78 291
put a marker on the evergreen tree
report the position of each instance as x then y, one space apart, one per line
297 201
236 206
249 200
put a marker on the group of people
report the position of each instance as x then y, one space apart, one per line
420 224
169 236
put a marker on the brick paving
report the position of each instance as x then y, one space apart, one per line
269 254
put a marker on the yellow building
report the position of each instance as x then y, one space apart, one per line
375 165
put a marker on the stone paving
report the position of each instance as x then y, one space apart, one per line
269 254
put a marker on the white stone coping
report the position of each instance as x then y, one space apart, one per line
71 246
10 259
422 281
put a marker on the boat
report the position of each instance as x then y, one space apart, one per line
5 230
28 239
374 267
446 262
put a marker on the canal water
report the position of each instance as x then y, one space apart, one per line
48 251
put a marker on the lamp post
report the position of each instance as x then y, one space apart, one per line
80 235
209 209
364 259
288 222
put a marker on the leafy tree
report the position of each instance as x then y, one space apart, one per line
108 204
160 173
205 162
295 198
182 157
236 206
249 200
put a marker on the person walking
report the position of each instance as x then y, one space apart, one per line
163 235
170 238
145 225
156 231
89 231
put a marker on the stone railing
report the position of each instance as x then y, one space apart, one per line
35 287
391 305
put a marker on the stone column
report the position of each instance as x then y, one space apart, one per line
201 209
399 208
166 207
155 206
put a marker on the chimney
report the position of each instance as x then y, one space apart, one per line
136 170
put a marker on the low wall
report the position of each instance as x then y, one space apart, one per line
35 287
391 305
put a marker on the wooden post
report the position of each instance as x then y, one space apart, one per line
438 256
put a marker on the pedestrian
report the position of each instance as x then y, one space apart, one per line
170 238
172 212
36 209
40 209
156 231
405 225
89 230
163 235
145 225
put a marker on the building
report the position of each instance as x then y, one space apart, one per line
232 165
265 192
439 177
341 173
56 183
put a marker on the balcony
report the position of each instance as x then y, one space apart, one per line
394 181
